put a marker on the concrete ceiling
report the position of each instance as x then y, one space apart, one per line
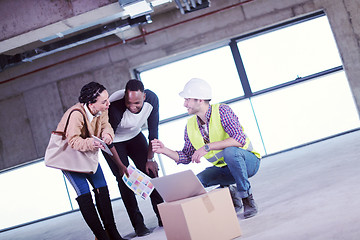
70 26
120 18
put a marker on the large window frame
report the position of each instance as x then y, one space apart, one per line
241 68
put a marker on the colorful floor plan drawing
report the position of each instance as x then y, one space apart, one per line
138 182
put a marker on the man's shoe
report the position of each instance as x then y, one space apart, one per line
113 234
143 231
235 197
160 223
250 207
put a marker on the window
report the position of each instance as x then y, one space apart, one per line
305 112
168 80
34 191
283 55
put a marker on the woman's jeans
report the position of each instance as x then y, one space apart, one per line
79 180
241 165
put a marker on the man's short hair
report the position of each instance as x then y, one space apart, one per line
134 85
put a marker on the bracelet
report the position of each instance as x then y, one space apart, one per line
150 160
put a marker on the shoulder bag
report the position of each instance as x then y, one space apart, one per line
60 155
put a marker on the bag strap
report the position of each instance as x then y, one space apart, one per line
67 122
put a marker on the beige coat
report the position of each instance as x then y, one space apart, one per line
76 131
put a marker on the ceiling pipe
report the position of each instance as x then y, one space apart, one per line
76 40
178 3
142 35
188 6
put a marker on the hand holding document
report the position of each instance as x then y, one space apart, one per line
106 148
138 182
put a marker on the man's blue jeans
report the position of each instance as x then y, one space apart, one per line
241 165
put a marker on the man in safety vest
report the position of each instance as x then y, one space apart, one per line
214 132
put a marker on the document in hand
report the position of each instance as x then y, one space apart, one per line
138 182
107 150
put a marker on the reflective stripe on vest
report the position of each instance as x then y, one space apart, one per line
218 157
216 133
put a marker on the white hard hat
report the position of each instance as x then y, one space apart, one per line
196 88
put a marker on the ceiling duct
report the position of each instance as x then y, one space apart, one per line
188 6
136 8
72 41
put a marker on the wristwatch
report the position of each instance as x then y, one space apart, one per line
207 147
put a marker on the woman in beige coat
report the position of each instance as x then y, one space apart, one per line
93 105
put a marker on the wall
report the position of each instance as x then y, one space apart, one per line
33 104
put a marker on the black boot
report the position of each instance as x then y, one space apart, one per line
103 205
88 211
132 208
250 207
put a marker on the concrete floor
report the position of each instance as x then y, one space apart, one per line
306 193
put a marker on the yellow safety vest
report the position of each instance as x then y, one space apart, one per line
216 133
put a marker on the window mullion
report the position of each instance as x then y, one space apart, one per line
240 68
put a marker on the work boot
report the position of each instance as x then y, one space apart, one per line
88 211
104 207
250 207
235 197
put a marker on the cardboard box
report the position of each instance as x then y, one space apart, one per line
209 216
